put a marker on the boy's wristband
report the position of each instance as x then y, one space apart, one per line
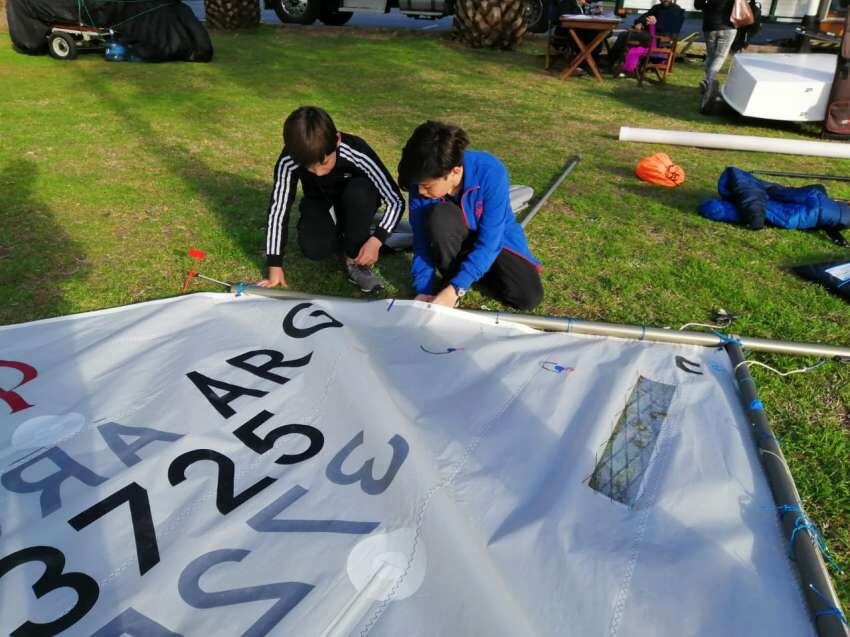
274 260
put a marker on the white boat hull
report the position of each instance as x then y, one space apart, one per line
791 87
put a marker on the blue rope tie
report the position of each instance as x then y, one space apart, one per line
390 306
803 523
756 405
788 508
842 284
830 609
239 288
725 339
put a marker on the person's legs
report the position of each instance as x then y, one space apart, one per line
448 236
511 279
355 213
618 49
514 281
317 233
717 46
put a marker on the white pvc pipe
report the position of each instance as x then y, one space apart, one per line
736 142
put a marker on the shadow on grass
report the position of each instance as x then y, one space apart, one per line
239 202
36 255
681 102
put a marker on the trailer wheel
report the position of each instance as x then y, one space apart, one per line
296 11
537 15
61 46
332 16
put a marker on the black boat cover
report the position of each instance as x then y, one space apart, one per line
154 30
834 276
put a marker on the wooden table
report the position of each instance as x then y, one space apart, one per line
575 23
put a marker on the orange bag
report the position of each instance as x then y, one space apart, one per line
742 16
658 169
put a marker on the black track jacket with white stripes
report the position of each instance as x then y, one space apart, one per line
354 158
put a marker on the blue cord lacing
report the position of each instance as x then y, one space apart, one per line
830 609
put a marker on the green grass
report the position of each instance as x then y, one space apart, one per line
109 172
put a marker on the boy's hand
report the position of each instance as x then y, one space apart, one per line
275 278
425 298
368 252
447 296
651 20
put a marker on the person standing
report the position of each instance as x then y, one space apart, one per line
719 35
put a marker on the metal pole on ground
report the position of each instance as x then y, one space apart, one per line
599 328
814 578
780 173
572 162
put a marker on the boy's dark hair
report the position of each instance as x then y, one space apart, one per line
432 151
309 135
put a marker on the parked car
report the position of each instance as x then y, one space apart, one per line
338 12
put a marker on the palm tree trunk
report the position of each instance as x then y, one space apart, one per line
490 23
232 14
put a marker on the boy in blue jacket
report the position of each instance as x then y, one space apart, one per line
464 230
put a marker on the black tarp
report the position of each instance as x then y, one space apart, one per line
834 276
154 30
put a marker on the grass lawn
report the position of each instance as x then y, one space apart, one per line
109 172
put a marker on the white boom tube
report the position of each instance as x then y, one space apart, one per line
736 142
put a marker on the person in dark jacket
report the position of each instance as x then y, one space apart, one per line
464 230
719 35
667 17
344 182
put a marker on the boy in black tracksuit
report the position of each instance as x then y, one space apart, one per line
344 182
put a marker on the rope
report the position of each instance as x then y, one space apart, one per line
708 325
82 5
802 370
804 523
830 609
133 17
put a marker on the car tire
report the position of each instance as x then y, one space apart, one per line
537 15
62 46
296 11
333 17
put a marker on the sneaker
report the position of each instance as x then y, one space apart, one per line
363 277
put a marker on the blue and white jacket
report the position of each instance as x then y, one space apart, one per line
487 212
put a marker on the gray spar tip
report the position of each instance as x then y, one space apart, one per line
571 163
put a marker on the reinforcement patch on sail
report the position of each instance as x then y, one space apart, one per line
624 460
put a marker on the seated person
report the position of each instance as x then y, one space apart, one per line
464 230
667 17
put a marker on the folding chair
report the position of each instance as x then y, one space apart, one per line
659 58
556 44
684 45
